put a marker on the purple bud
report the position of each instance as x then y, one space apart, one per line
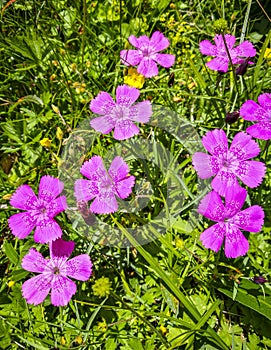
87 215
259 279
241 70
231 117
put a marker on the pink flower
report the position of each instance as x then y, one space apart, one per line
120 115
54 273
147 54
221 61
104 186
226 164
261 113
39 212
229 220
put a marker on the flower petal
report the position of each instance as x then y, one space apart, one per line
265 101
124 187
220 64
118 169
250 219
147 67
61 249
139 42
94 168
50 187
234 200
207 48
260 130
223 180
164 59
211 207
33 261
202 163
24 198
62 290
243 147
213 237
21 224
47 232
251 172
230 41
102 103
57 206
245 49
79 268
159 41
106 204
131 57
216 142
250 110
126 95
103 124
36 289
141 112
236 243
85 189
125 129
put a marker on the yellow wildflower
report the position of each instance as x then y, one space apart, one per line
163 330
101 287
134 78
73 67
267 55
79 339
52 77
102 326
179 243
63 341
46 142
11 284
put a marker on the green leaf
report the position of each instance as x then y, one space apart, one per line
250 295
11 252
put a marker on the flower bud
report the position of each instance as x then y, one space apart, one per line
220 26
232 117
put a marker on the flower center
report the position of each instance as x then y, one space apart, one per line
56 270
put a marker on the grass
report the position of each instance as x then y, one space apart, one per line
170 292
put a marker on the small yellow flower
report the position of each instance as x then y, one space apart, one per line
73 67
46 142
134 78
163 330
11 284
55 63
59 133
101 287
102 326
63 341
88 64
179 243
267 55
62 51
79 339
52 77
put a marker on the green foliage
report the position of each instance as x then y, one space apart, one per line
170 293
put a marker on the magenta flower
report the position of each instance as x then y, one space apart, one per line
228 164
221 61
39 212
104 186
120 115
54 273
261 113
229 220
147 54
